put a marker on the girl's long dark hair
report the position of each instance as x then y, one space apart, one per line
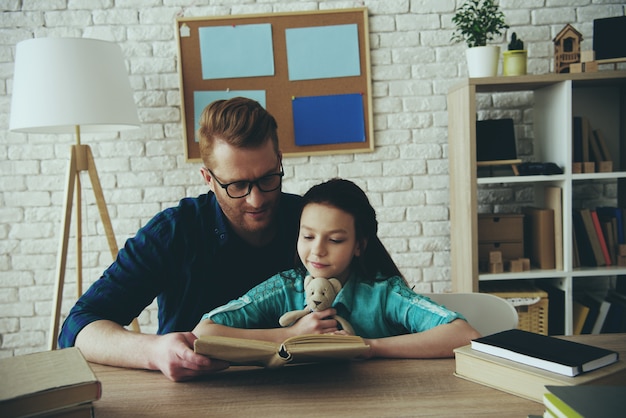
350 198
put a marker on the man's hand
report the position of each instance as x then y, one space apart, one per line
173 354
107 342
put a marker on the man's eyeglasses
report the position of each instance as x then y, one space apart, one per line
242 188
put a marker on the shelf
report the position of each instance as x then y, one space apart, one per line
537 81
555 100
524 275
520 179
598 271
600 176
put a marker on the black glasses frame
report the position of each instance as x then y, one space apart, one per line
251 184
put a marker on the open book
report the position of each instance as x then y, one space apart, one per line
299 349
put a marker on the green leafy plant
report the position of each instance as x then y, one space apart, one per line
516 44
478 21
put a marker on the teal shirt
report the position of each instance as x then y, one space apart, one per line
375 310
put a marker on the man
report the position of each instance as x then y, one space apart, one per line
198 255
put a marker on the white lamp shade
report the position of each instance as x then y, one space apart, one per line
61 83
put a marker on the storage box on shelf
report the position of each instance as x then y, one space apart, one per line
555 100
530 303
500 232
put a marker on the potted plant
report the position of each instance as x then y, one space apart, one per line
477 22
514 59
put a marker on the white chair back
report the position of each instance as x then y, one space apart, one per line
487 313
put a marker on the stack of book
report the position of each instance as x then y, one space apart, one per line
599 236
596 313
56 383
590 152
584 401
523 363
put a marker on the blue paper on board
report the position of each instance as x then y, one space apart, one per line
202 99
323 52
323 120
236 51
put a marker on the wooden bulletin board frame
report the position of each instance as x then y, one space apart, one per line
279 90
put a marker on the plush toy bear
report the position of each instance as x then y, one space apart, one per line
320 294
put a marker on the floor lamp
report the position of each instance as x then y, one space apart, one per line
72 85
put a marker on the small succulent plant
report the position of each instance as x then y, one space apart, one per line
516 44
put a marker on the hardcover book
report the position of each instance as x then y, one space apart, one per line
539 236
589 250
568 358
586 401
308 348
47 383
526 381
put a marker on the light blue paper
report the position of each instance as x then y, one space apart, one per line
236 51
323 52
202 99
334 119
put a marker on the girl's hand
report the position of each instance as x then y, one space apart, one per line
316 323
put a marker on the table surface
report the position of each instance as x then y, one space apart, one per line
373 388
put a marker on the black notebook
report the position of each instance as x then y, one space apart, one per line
568 358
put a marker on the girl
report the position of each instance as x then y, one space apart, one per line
338 238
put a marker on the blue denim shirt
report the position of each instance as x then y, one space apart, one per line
188 258
380 309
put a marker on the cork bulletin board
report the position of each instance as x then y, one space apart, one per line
310 70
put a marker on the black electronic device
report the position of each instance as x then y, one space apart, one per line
608 38
536 169
495 140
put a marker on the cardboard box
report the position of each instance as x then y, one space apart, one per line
500 228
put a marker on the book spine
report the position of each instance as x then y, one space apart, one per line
600 235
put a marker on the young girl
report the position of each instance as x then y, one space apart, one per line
338 238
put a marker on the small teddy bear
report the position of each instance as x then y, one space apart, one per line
320 294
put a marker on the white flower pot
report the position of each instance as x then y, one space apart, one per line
482 61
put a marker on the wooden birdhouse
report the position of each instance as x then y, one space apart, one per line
566 48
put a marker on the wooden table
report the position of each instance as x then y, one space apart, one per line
374 388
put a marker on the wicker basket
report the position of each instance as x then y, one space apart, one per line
532 316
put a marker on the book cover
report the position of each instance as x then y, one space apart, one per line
577 139
584 128
593 307
85 410
553 197
556 355
609 229
594 147
589 249
575 255
523 380
579 314
588 401
603 309
604 149
299 349
539 236
46 381
600 235
609 213
557 407
615 321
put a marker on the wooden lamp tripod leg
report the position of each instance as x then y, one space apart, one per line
62 259
81 159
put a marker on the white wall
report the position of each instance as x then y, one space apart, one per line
143 171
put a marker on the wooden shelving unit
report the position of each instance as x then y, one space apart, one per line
601 96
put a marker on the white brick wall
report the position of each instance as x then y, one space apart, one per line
143 171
